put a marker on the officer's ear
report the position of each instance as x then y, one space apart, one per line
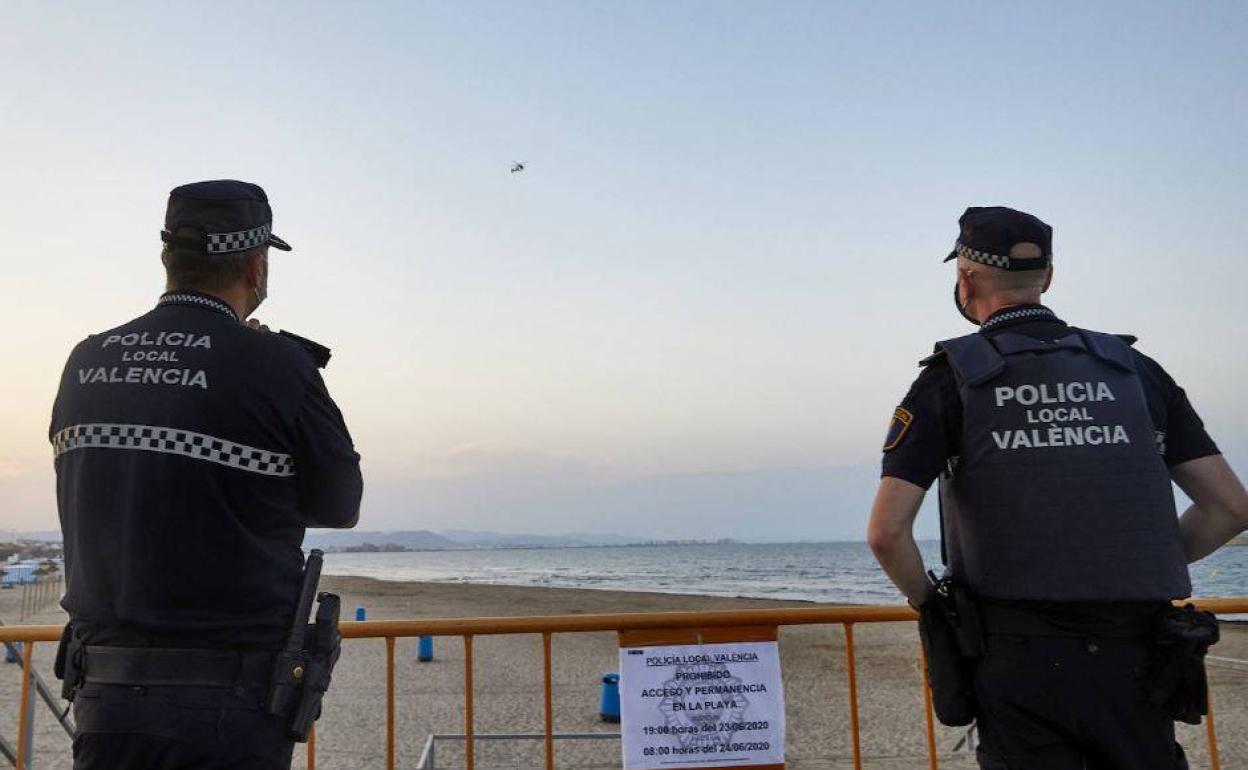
1048 279
964 281
256 268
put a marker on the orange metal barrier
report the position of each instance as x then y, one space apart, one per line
546 626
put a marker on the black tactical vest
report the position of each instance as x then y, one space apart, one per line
1060 493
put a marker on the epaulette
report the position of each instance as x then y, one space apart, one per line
1130 339
933 358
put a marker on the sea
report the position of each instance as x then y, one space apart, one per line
843 573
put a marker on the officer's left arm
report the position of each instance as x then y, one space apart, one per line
327 466
915 449
890 534
1219 508
58 419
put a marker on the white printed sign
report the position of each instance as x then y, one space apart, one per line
702 706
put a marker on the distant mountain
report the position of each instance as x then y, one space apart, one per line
477 539
44 536
607 539
457 539
422 539
349 538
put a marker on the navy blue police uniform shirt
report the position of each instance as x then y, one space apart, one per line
192 451
929 420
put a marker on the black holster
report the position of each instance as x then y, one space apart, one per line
300 682
1175 677
68 666
953 640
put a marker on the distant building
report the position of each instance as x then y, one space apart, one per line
18 574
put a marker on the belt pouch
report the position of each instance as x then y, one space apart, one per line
949 672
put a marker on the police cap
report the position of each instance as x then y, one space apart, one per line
224 215
987 233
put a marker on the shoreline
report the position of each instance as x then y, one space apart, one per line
831 573
618 594
622 592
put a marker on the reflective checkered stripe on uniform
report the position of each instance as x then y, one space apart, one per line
223 243
1014 315
195 299
199 446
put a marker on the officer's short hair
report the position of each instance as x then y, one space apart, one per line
191 269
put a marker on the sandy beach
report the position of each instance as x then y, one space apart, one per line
508 673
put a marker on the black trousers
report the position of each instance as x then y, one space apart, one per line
1054 703
177 728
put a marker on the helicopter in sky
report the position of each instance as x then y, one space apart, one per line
516 166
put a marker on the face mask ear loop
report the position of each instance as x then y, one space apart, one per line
256 289
962 308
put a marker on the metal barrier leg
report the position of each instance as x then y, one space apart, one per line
312 749
549 702
389 703
933 762
1211 735
851 668
26 711
8 751
469 743
428 760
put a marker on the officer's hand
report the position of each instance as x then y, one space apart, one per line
253 323
927 597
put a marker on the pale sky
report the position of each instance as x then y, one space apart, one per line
693 313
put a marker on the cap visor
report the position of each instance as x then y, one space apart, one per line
278 243
952 254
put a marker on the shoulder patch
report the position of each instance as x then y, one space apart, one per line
898 428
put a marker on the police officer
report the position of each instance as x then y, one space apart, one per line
193 447
1055 447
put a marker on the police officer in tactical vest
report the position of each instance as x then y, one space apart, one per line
1055 448
193 447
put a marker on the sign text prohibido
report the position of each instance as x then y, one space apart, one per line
701 698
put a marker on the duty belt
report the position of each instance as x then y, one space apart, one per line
1021 621
155 667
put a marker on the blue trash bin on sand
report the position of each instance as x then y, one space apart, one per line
11 651
424 649
609 709
359 612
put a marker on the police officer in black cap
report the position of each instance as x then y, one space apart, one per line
193 447
1055 448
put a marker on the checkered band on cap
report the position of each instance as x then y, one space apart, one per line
982 257
224 243
1000 260
150 438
